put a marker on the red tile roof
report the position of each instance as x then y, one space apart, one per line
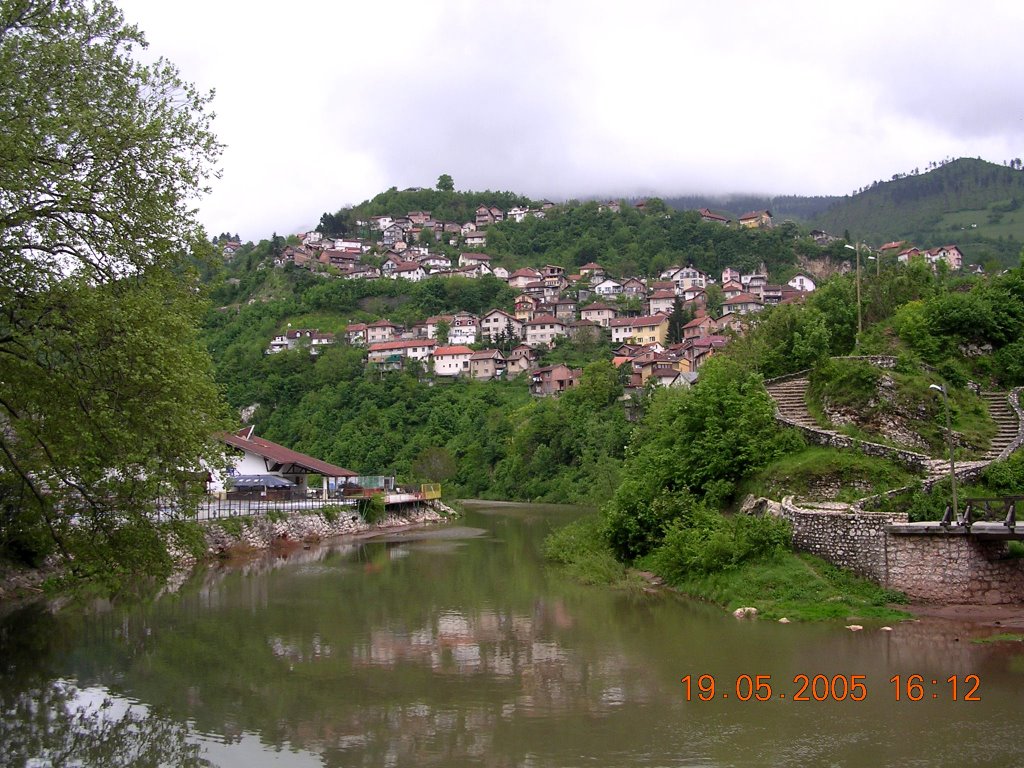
247 441
458 349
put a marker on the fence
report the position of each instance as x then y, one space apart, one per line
213 508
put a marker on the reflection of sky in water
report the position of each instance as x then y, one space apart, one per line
244 750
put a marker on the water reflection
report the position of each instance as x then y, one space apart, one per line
461 648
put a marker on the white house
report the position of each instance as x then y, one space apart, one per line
802 282
409 270
544 329
413 349
452 360
608 287
498 321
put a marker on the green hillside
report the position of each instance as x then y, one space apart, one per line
972 203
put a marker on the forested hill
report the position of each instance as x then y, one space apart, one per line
973 203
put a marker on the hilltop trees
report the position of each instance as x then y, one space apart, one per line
106 399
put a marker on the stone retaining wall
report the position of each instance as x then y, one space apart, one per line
915 462
954 569
852 540
936 567
260 532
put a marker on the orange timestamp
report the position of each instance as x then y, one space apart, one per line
828 688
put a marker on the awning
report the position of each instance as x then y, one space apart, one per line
259 481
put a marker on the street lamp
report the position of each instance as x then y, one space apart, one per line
860 327
949 439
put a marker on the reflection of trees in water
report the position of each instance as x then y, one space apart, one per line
49 725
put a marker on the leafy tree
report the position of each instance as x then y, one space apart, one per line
106 401
443 329
680 316
445 183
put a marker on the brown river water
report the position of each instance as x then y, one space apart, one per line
458 646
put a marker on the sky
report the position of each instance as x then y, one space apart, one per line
321 105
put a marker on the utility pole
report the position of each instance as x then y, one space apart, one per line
949 439
860 324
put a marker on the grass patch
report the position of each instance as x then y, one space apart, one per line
232 526
814 472
276 515
1005 637
798 587
581 548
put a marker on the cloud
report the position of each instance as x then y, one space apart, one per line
325 104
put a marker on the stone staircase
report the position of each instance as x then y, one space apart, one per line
791 401
790 398
1003 415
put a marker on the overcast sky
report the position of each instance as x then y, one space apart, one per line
324 104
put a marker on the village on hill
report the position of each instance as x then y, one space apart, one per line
663 325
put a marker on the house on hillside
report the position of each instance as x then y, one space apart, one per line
355 333
392 354
688 277
742 304
487 364
801 282
608 287
756 220
409 270
472 259
498 322
544 329
599 313
452 360
519 360
661 302
464 329
634 286
298 337
382 330
523 277
652 329
553 379
716 218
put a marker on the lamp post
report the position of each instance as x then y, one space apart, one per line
860 327
949 439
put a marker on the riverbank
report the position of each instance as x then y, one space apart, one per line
262 532
233 536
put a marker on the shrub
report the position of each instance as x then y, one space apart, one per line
331 512
277 515
372 509
231 525
708 542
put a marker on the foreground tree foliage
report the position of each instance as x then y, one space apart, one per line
107 402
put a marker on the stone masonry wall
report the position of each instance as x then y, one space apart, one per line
259 532
937 567
852 540
954 569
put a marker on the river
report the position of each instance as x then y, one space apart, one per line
458 646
